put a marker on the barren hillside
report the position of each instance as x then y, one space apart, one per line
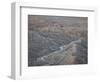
48 35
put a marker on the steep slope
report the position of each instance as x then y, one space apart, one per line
39 46
44 43
55 40
73 53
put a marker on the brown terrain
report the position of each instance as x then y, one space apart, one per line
56 40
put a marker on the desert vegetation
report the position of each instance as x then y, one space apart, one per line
57 40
